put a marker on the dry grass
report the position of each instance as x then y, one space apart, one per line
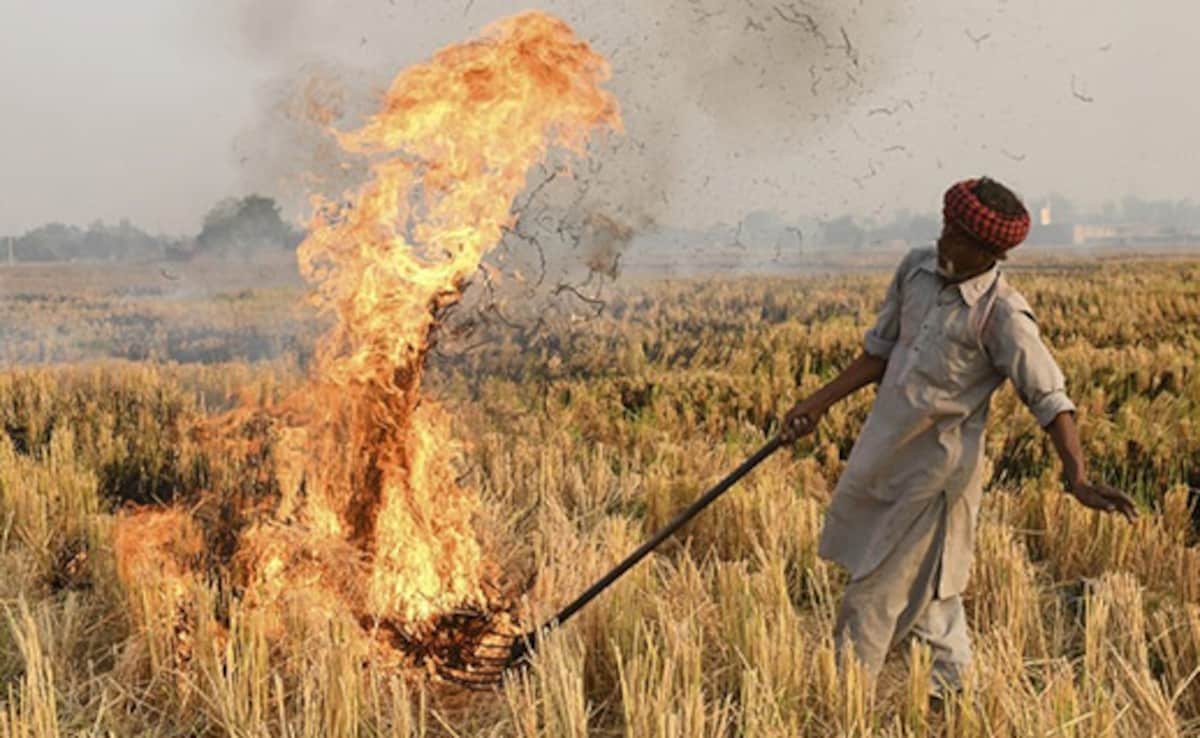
584 438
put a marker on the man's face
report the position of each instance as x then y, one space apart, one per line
959 257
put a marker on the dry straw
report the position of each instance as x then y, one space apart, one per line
584 438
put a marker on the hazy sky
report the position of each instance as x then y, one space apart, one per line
153 110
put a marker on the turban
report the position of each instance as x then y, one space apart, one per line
998 231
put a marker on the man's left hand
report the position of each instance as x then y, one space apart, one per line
1105 498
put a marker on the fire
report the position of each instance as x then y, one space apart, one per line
363 514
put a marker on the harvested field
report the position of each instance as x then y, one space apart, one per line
582 437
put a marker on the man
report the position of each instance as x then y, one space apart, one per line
902 518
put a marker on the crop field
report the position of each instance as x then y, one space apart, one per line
579 437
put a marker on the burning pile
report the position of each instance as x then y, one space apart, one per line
349 504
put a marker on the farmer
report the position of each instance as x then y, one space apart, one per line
902 518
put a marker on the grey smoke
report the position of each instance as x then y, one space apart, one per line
129 109
770 75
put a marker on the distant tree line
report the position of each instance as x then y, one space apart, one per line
243 227
847 230
914 228
233 228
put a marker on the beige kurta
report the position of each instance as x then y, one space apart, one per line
948 348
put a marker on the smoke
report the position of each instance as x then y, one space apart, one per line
714 88
710 90
316 80
751 65
289 150
281 31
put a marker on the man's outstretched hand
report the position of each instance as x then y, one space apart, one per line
1104 498
1096 496
801 420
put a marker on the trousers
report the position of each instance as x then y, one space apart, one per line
899 599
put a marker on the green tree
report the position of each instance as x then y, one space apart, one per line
843 231
243 226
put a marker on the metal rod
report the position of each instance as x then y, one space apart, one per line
678 522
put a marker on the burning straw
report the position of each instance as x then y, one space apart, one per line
348 504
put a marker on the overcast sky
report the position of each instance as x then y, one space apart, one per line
153 110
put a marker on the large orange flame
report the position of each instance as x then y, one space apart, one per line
451 150
363 461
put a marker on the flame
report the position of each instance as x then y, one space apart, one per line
369 517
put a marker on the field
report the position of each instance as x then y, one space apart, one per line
582 437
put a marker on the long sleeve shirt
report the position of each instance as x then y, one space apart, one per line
948 348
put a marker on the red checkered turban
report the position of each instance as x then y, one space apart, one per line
995 229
